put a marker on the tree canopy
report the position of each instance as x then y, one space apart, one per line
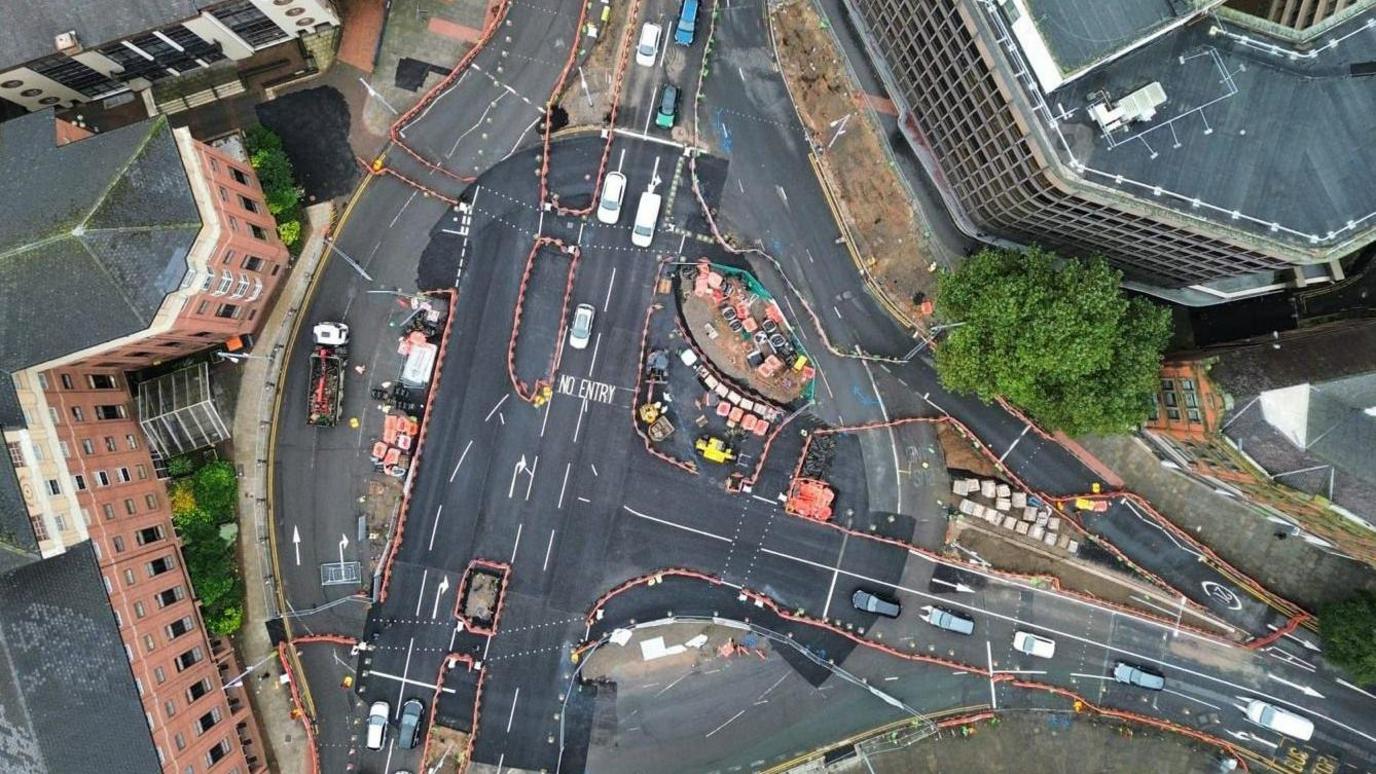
1055 337
1348 629
203 503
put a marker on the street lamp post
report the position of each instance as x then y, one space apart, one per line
352 263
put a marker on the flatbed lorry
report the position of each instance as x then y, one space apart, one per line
329 358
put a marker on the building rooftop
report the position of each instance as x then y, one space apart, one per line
1220 124
68 703
93 236
30 28
16 531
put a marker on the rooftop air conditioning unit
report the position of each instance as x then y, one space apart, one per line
67 42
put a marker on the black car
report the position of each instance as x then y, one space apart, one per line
408 727
668 107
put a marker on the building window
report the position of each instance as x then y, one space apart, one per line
66 449
52 414
189 659
1193 415
87 447
128 577
108 510
170 596
149 644
197 690
102 478
129 506
159 566
227 311
16 453
110 411
1167 385
54 488
139 610
1173 413
131 441
207 721
149 535
40 530
170 708
249 23
110 444
117 543
179 627
42 380
141 470
258 232
239 176
101 381
160 675
180 741
253 263
151 501
218 753
80 482
124 476
248 204
66 380
78 414
60 521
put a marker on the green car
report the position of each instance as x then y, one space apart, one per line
668 107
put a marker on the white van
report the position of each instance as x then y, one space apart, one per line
1277 719
646 218
609 203
1032 645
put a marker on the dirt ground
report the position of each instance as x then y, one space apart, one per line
727 352
482 597
961 455
447 748
873 201
1042 742
594 82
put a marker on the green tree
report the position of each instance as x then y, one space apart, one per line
1056 338
216 487
210 562
1348 629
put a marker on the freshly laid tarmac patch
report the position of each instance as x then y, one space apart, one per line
314 127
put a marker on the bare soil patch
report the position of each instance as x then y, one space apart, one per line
961 453
447 749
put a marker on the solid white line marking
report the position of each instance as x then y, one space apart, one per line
695 530
517 544
578 428
403 208
460 463
989 654
671 685
564 485
435 528
1346 684
406 680
1014 444
1090 677
404 669
835 573
1113 648
512 716
494 408
597 342
420 598
893 439
594 468
1191 698
764 499
545 421
548 549
608 300
727 723
531 482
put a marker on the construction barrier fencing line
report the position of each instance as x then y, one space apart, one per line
764 600
313 754
332 639
524 391
450 661
702 71
559 84
419 186
504 570
688 466
623 59
403 511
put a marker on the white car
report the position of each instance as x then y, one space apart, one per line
648 47
613 193
377 724
1032 645
581 328
1277 719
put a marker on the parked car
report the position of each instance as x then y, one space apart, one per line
942 618
687 23
1131 674
668 107
377 724
646 218
1277 719
648 47
1034 645
870 602
581 328
408 728
613 194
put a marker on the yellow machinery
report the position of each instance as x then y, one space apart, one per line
714 449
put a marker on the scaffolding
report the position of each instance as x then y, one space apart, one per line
178 414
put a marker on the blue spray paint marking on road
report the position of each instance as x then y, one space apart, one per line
722 131
776 248
863 397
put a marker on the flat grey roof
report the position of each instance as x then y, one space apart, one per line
1081 32
1249 138
30 27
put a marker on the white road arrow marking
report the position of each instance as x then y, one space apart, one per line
520 467
439 592
1304 689
296 543
343 544
960 587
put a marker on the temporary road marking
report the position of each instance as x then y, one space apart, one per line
397 217
608 300
584 500
517 544
512 716
675 682
1076 637
694 530
594 468
836 572
563 486
1014 444
407 680
782 677
596 344
578 428
494 408
548 549
989 654
436 526
587 389
420 598
727 723
764 499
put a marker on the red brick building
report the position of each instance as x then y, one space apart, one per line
119 252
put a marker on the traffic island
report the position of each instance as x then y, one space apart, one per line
478 606
537 330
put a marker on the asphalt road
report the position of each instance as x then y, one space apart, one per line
566 496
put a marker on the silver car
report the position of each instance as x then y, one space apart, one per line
580 331
1131 674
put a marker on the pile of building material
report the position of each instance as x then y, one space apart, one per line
1026 515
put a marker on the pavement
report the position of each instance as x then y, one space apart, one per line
563 495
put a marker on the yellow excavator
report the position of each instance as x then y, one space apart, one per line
714 449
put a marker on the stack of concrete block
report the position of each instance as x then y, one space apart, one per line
1003 503
987 488
1036 532
1021 527
1011 522
960 487
1029 513
970 508
1050 539
1004 490
1019 499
